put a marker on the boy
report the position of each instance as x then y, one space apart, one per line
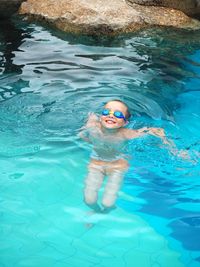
108 137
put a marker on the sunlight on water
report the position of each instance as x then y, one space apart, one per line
49 83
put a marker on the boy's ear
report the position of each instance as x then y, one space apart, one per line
127 122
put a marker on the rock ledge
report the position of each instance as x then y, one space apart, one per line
102 17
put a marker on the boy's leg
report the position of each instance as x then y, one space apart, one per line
112 187
93 183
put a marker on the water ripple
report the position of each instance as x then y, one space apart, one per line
50 82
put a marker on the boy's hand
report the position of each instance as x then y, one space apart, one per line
92 119
183 154
92 116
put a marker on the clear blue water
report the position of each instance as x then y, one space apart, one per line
49 81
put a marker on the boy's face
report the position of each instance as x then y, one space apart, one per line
110 121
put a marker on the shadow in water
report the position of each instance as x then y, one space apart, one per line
11 38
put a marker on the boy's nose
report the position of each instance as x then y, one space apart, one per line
111 116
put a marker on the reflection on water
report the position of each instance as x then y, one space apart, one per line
50 81
146 68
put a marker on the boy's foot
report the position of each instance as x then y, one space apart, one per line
95 207
106 210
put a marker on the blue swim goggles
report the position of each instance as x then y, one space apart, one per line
116 113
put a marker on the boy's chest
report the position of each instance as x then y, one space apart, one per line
109 142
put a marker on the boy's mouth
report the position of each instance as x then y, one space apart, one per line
109 121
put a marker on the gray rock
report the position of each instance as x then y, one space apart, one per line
189 7
97 17
9 7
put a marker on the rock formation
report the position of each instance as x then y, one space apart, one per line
103 17
189 7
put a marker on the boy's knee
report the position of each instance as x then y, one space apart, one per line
90 198
109 201
90 201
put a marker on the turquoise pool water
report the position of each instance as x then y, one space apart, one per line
49 82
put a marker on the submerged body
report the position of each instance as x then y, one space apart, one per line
106 146
107 159
109 138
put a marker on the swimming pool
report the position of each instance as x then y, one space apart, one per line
49 82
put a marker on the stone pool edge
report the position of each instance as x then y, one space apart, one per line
98 17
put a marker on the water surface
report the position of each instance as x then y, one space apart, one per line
49 82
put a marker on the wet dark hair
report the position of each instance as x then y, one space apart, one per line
128 114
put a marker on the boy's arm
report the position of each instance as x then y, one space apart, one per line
181 153
159 132
91 122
